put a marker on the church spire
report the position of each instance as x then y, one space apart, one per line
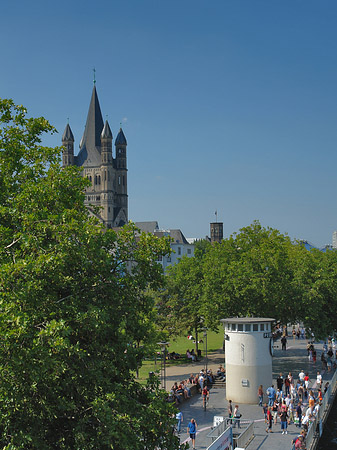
94 125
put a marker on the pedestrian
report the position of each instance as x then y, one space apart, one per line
230 411
279 382
269 420
180 418
275 409
287 386
319 380
271 395
284 342
260 394
236 416
284 421
299 414
306 381
265 411
291 411
192 429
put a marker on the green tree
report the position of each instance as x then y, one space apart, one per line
249 274
181 307
315 279
72 307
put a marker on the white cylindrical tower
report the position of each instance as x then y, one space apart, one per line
248 352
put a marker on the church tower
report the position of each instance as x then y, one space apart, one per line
107 175
68 144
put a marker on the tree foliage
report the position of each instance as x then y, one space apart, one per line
73 303
256 272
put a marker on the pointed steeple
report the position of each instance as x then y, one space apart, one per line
120 139
94 126
68 134
106 133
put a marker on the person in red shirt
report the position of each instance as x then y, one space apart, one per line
269 420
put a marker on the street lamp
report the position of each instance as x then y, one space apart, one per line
205 337
163 346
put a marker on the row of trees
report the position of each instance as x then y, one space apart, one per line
73 307
257 272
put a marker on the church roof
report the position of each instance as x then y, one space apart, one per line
106 133
90 146
68 135
147 227
120 139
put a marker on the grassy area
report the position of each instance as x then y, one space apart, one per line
214 341
179 345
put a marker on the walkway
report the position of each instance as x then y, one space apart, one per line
293 360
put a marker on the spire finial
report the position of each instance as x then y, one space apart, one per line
68 120
120 123
94 70
216 216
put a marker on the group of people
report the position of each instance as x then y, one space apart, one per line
180 391
234 416
192 427
287 403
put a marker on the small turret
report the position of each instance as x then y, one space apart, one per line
106 144
120 144
68 144
121 173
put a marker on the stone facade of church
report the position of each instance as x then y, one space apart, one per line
106 172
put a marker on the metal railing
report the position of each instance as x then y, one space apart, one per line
247 427
321 415
245 437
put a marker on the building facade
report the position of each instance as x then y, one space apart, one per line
180 246
107 173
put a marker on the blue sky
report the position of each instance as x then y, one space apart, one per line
226 105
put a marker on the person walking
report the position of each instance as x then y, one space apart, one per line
271 395
260 394
236 416
269 420
192 429
284 421
284 342
299 414
180 418
230 411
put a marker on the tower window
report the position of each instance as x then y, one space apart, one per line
119 180
123 180
99 179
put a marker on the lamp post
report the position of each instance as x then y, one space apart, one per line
163 346
205 337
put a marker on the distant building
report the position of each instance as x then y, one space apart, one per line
179 245
309 246
107 174
334 239
216 231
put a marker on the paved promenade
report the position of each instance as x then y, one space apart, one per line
293 360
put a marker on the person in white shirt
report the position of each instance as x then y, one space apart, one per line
319 380
301 376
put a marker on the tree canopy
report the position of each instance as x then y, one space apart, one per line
256 272
73 304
